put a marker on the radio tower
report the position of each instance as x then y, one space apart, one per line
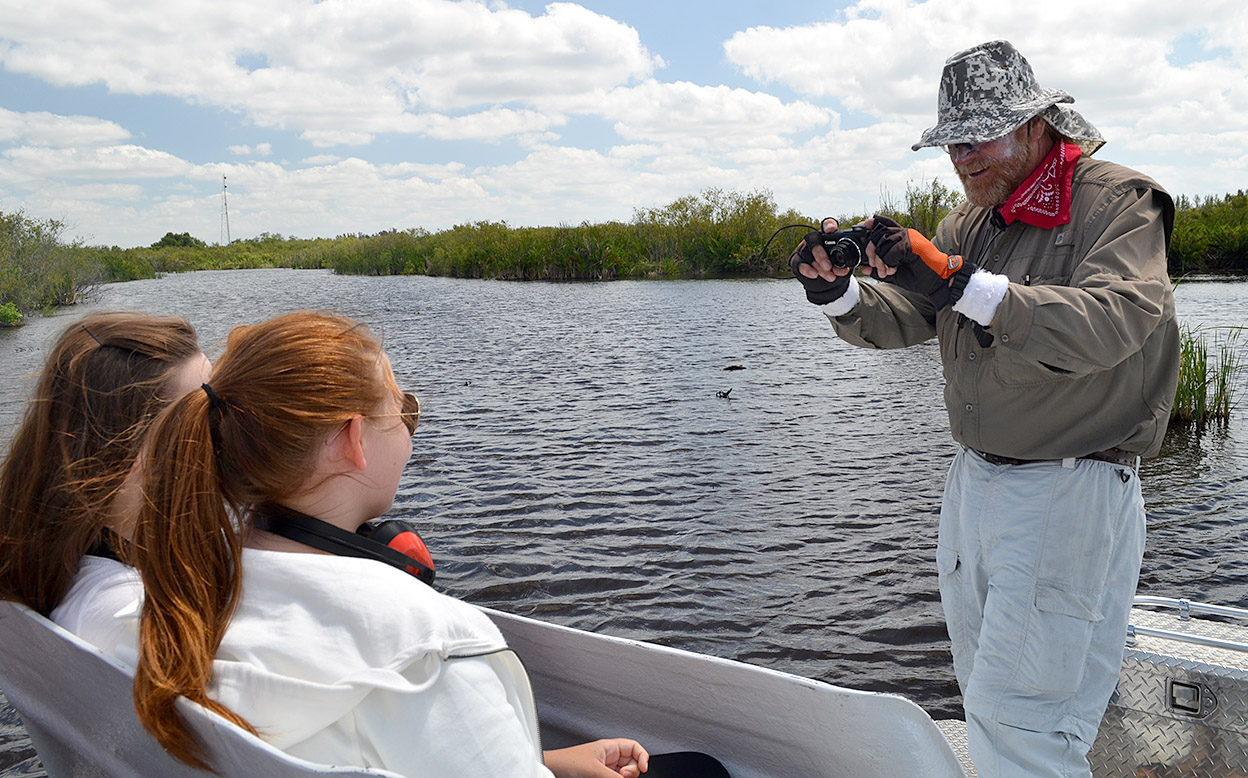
225 216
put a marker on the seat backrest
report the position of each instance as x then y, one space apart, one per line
77 706
761 723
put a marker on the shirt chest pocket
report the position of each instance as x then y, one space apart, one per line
1051 265
1045 279
1012 369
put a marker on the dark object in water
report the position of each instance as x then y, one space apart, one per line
723 394
735 367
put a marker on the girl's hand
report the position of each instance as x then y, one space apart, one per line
611 758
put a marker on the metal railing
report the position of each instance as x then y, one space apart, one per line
1186 608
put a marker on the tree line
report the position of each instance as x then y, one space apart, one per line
714 234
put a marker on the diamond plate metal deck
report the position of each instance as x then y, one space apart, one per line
954 731
1180 709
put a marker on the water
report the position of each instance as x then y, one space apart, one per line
575 463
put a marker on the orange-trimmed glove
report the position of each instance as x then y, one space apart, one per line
921 267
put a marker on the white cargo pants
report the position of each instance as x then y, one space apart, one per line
1038 566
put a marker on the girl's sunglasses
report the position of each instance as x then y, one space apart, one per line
410 413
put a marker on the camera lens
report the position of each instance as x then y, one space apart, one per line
845 253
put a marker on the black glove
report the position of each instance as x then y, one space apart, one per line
917 264
891 241
920 279
819 290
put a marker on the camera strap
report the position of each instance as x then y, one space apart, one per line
393 541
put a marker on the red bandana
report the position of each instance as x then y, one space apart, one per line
1044 199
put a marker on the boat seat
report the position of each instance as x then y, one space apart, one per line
76 703
760 723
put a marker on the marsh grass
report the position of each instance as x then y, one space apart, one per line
1209 378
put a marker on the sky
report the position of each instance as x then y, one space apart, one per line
125 120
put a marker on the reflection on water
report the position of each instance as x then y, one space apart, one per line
575 462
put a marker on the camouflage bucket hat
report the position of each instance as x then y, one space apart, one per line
989 90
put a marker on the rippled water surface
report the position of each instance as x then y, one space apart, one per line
576 462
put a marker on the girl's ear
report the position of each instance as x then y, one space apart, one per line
348 444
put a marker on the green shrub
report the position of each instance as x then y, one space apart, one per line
37 269
925 206
183 239
10 316
1210 235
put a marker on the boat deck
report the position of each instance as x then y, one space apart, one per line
954 731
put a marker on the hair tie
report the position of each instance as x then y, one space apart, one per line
92 334
213 401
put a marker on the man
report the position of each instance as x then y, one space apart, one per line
1048 293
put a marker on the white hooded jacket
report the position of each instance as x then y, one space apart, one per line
348 661
345 661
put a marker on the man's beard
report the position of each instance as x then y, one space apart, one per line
1005 172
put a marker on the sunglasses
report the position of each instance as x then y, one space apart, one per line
956 150
410 413
962 149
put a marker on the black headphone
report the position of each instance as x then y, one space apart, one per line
393 541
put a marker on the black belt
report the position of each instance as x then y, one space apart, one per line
1114 456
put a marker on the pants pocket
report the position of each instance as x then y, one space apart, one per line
956 599
1060 631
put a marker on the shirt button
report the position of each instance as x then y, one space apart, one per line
969 407
971 356
1005 338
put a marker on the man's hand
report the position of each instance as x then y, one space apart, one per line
909 260
810 265
898 246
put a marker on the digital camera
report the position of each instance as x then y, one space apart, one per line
846 247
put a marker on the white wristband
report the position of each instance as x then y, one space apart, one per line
843 304
984 292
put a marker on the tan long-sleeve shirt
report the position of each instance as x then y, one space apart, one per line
1085 346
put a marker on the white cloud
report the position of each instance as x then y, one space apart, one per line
439 172
320 159
40 163
260 150
348 196
472 56
1151 74
338 71
47 129
432 113
1192 144
635 151
683 113
884 59
528 140
493 124
335 137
